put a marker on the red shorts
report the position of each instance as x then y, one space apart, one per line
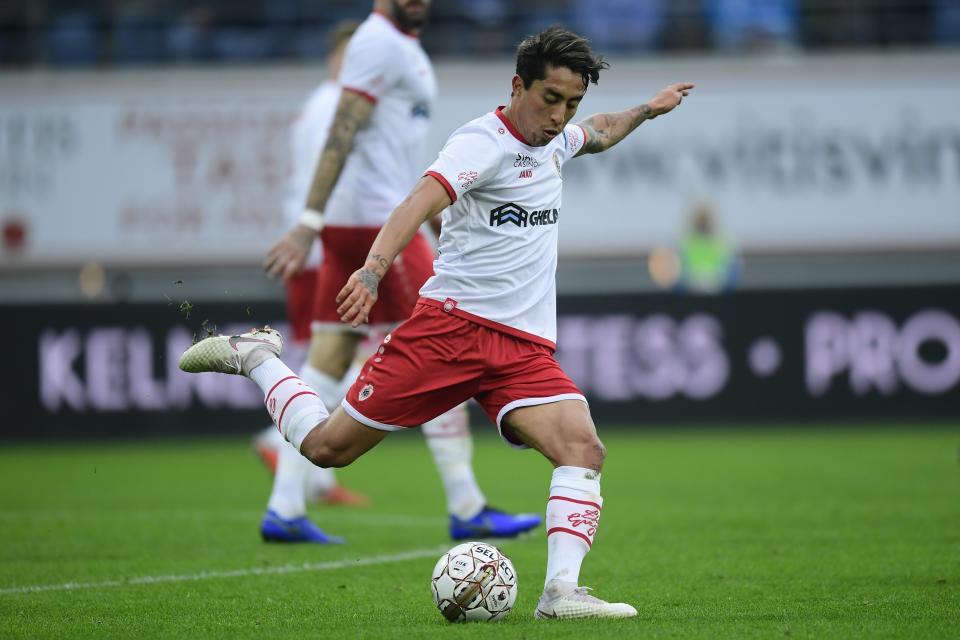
345 249
300 296
436 360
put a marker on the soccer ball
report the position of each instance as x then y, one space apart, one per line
474 581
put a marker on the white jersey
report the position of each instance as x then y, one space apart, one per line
498 244
308 134
391 69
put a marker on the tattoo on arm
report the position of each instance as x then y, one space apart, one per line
353 112
369 279
381 260
607 129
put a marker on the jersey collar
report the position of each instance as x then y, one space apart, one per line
509 125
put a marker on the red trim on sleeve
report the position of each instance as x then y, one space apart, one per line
490 324
585 138
363 94
443 182
509 125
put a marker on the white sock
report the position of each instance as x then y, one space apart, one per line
293 406
270 437
573 515
320 481
451 444
288 497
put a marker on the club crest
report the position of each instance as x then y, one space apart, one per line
366 392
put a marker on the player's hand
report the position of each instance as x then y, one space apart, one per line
669 97
287 257
358 296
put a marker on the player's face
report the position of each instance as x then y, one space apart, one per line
543 110
410 14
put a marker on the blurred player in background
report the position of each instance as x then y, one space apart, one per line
307 135
369 161
485 326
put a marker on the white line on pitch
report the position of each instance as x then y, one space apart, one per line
236 573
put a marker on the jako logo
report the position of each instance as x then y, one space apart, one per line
526 173
519 216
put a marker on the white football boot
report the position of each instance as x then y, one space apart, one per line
564 600
232 354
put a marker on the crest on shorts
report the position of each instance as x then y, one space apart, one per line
366 392
556 162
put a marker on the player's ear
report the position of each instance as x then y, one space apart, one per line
516 86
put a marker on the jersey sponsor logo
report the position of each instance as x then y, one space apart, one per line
526 173
525 161
519 216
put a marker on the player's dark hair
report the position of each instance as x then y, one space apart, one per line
340 34
557 46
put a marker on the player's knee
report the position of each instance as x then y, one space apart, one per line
592 452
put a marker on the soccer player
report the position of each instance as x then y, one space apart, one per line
370 160
298 480
486 321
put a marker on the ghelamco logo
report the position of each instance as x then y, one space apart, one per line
519 216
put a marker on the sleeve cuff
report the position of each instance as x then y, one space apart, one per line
363 94
443 182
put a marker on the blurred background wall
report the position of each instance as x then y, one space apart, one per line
786 246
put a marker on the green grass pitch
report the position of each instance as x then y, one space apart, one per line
824 533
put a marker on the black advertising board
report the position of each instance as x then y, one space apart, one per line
754 356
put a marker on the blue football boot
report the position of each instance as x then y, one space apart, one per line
273 528
492 523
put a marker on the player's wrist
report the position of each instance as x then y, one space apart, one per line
375 268
311 218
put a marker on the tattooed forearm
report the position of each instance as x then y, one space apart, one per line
353 112
369 279
383 262
607 129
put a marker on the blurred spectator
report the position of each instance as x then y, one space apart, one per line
620 25
137 32
88 32
704 262
188 37
751 24
947 21
74 32
708 261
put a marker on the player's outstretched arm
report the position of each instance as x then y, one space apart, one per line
288 256
607 129
357 297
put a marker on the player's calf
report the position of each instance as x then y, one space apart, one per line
339 440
